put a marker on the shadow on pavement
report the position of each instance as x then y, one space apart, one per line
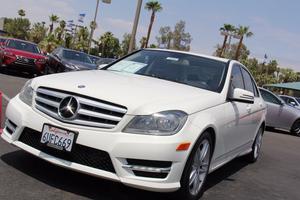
279 131
15 73
96 188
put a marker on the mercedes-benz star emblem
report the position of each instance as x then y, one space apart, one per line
68 108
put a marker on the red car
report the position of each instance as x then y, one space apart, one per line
22 55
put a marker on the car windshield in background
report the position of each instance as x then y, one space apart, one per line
78 56
23 46
183 68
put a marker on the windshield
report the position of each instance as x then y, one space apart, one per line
78 56
23 46
183 68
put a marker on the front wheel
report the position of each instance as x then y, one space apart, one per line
296 128
256 147
196 169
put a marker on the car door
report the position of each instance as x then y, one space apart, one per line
275 110
54 60
257 108
239 120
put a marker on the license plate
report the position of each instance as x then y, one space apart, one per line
57 138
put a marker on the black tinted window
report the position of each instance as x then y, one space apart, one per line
23 46
249 85
183 68
237 78
268 97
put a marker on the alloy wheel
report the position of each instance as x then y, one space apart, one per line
200 167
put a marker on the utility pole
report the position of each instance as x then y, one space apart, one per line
135 25
93 27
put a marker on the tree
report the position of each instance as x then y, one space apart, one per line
165 37
21 13
241 32
109 46
60 31
38 32
181 39
153 6
143 42
82 39
125 44
17 27
53 19
227 30
287 75
49 43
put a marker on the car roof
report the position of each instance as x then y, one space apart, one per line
225 60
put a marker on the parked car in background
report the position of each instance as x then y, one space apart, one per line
293 101
2 41
158 120
104 62
280 114
22 55
65 60
94 59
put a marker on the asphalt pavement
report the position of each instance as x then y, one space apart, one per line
275 176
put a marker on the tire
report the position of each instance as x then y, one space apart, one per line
295 130
256 147
196 169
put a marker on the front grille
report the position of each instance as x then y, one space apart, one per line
25 61
80 154
92 112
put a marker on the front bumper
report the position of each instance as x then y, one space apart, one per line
120 147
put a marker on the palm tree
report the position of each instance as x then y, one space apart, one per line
143 42
21 12
227 31
61 30
53 19
241 32
153 6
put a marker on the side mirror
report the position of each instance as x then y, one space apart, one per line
293 103
102 66
241 95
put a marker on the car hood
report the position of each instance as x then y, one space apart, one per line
141 95
25 53
80 65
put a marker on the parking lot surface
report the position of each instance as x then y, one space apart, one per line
276 175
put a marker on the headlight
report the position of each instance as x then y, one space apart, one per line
26 93
163 123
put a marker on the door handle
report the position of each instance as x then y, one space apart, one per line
248 108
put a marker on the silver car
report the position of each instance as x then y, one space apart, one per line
293 101
280 114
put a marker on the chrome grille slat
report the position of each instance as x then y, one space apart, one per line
101 105
98 115
91 112
48 102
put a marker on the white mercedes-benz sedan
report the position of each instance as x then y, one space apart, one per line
157 120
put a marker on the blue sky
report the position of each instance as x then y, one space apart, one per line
276 24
